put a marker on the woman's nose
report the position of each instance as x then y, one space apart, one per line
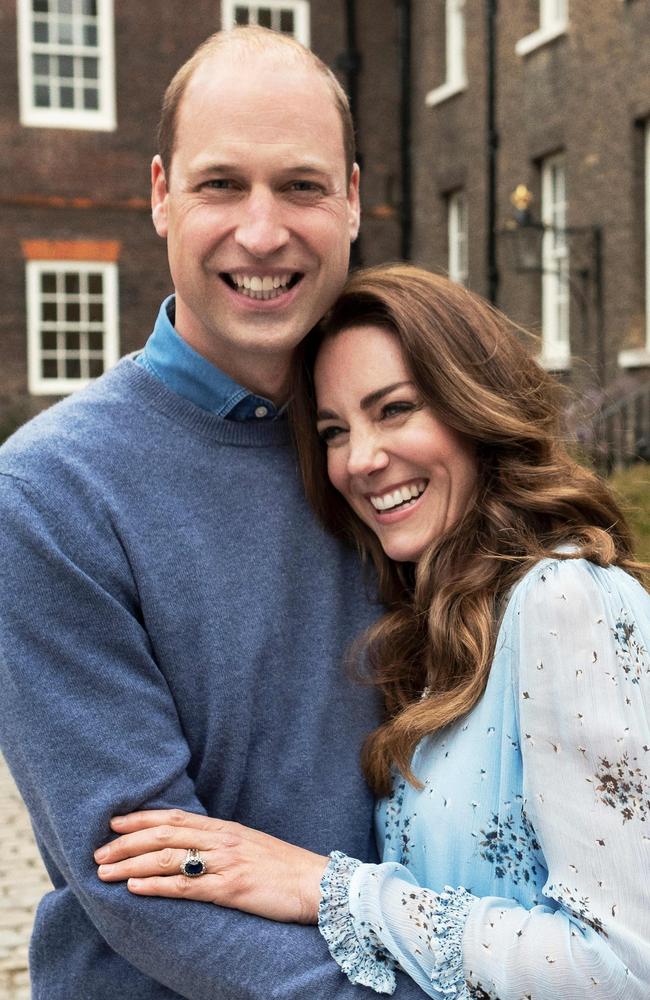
366 455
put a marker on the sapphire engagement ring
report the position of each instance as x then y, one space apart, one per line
194 865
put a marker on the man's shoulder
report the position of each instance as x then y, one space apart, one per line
78 423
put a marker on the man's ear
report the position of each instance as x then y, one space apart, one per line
159 195
354 204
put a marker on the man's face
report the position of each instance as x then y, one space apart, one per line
257 213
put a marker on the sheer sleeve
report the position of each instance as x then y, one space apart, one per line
581 673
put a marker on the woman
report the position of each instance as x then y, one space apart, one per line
513 657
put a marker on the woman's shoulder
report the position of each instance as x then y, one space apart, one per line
570 578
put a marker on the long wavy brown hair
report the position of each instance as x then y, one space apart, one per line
470 367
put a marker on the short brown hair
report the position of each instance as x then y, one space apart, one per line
253 38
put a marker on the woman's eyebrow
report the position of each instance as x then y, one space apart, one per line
374 397
367 401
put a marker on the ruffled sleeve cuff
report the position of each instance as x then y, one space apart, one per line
450 910
364 963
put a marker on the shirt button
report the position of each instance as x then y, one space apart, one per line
261 411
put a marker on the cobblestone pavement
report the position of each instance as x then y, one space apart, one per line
23 880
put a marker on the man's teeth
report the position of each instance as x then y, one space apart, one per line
404 494
258 286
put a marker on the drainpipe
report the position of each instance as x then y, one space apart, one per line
492 148
406 163
349 63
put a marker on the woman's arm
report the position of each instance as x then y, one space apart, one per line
582 677
246 870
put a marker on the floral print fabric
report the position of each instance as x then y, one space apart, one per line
521 870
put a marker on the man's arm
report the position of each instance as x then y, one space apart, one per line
90 729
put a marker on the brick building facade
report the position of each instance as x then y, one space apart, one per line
458 104
82 270
562 113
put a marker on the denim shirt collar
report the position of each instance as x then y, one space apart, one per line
183 370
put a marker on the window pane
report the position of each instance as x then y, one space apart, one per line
90 67
41 32
49 367
66 66
95 367
48 311
71 341
66 36
72 368
241 15
66 97
42 96
72 312
95 340
65 6
91 99
95 284
40 6
48 340
48 282
41 65
89 7
264 17
95 312
90 35
72 284
286 21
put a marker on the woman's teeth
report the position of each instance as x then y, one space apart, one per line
402 495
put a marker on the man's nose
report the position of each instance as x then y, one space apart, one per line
366 455
261 229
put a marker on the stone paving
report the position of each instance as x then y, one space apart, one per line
23 880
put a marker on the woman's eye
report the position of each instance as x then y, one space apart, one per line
397 408
329 434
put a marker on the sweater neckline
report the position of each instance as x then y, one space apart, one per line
155 394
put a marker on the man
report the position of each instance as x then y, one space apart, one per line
172 619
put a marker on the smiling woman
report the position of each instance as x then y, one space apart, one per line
513 660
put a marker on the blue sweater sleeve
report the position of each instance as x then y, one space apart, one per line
90 729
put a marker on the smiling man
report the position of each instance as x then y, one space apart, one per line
172 619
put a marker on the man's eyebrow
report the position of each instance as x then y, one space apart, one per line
367 401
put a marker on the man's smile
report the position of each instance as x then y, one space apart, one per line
261 286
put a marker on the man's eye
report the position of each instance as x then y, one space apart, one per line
218 184
306 186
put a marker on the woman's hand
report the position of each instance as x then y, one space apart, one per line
246 870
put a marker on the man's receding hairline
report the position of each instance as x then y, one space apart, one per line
240 44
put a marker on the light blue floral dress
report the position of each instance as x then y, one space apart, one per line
521 871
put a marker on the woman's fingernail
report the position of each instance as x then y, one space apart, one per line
101 853
105 869
134 883
118 820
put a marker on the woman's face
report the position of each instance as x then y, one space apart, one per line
403 472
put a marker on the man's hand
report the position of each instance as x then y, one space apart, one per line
246 870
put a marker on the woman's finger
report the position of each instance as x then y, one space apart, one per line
147 818
156 839
166 862
204 889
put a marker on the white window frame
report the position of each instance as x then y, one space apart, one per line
556 290
457 233
103 119
640 356
37 384
299 8
553 22
455 55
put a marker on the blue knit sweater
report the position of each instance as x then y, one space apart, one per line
172 622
